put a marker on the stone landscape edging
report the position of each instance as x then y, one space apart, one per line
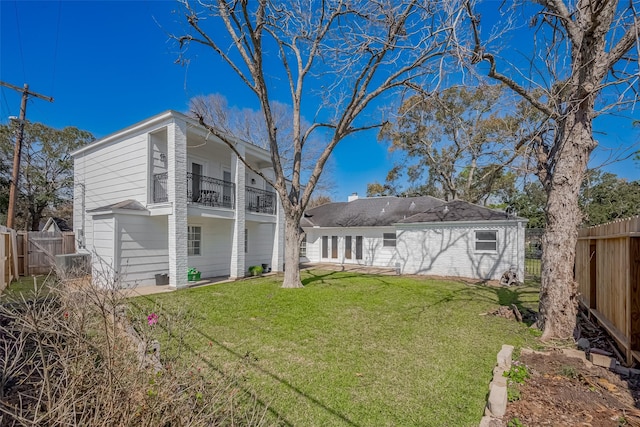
497 401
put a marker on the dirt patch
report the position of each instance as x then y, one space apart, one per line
566 391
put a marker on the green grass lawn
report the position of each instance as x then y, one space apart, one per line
351 349
24 285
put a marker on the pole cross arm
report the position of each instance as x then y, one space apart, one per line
26 91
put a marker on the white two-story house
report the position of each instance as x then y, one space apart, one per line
164 195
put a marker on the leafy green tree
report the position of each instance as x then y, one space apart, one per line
46 169
458 143
529 203
605 197
375 189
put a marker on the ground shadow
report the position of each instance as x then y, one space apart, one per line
252 362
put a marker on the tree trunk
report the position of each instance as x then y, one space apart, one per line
292 238
35 220
558 290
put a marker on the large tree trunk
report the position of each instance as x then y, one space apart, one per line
292 239
558 291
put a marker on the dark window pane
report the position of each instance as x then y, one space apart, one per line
388 239
358 247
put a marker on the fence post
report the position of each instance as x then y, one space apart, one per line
25 252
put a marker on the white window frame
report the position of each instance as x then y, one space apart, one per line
485 240
191 249
303 246
389 242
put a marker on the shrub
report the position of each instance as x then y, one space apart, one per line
66 358
255 270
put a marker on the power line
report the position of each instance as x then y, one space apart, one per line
55 49
6 102
15 8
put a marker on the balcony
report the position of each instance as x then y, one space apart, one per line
201 190
260 201
207 191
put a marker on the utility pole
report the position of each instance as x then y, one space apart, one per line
17 151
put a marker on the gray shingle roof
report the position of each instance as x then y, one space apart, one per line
384 211
368 212
458 210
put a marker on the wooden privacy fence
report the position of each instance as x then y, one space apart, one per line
8 257
608 274
37 250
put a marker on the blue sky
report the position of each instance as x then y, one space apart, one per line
110 64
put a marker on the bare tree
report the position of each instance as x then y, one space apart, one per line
249 125
337 57
583 62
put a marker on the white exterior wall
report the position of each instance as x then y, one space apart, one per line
449 250
260 248
215 258
122 166
373 251
141 248
103 262
111 173
437 249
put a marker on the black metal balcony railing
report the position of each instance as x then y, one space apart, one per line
204 190
258 200
208 191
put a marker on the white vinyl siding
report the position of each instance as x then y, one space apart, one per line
366 246
112 173
122 166
143 248
103 255
436 249
116 172
259 243
215 260
450 250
